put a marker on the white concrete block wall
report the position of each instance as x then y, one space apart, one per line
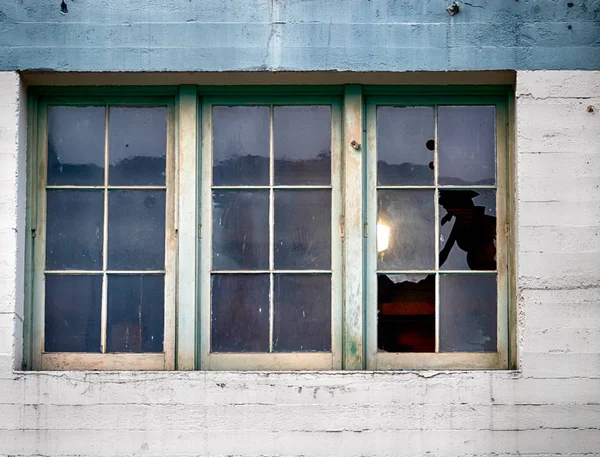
549 407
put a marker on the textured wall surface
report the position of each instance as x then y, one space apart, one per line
550 407
311 35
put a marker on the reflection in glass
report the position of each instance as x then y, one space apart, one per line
468 229
72 313
467 145
137 141
302 145
403 153
302 229
468 313
240 230
239 313
74 229
240 145
406 313
410 216
76 145
302 311
136 229
135 313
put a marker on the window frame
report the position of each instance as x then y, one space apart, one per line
39 359
186 139
377 360
272 360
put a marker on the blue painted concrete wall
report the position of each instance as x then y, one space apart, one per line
343 35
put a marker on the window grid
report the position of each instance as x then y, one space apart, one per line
395 360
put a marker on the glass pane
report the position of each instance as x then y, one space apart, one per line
468 229
302 311
302 144
241 230
406 313
76 145
405 230
137 142
72 313
240 145
135 313
467 145
240 313
74 229
136 229
405 144
468 313
302 229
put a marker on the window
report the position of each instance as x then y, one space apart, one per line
290 229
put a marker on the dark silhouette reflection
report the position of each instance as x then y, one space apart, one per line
473 231
406 313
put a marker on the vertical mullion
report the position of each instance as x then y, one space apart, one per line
103 316
271 228
436 207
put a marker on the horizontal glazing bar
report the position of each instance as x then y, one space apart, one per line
430 272
107 187
433 187
108 272
462 272
267 187
244 272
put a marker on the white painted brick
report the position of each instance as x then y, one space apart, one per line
559 239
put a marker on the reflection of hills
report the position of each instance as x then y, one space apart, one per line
254 170
418 174
70 173
141 170
392 174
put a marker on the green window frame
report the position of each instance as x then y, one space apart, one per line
188 227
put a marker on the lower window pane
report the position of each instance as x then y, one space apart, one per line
72 313
302 309
406 313
468 313
240 313
135 313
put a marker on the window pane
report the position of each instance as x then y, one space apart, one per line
467 145
135 313
137 141
240 313
76 145
302 229
468 229
72 313
136 229
74 229
405 230
406 313
240 230
240 145
405 144
468 313
302 308
302 144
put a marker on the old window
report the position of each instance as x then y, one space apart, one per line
273 229
102 256
437 261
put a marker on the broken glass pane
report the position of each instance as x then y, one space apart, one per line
406 313
467 229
